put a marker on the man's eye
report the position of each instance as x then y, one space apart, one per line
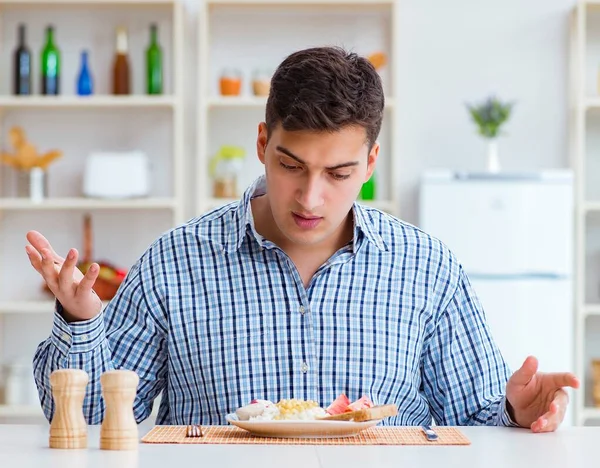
289 168
339 176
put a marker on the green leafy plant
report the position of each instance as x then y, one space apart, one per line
490 115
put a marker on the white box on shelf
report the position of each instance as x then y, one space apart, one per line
117 175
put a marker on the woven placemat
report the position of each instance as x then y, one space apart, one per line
371 436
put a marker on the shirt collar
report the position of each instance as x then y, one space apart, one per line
243 221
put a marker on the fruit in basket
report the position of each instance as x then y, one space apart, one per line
109 277
107 271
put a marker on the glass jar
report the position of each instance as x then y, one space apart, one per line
230 83
19 385
261 82
225 169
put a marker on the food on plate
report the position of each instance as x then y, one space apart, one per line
365 414
294 409
299 409
257 410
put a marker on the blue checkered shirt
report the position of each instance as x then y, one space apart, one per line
213 315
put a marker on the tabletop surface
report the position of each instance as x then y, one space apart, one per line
491 447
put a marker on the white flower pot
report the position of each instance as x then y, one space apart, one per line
493 163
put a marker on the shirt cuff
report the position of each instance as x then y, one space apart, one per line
505 419
77 337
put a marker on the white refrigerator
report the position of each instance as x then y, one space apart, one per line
513 234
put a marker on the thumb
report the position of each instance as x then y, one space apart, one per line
524 375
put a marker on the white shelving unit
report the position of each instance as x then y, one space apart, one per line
585 149
78 125
280 27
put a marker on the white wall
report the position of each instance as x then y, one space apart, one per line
463 50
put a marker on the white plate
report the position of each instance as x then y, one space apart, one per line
299 428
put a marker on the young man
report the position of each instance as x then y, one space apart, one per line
296 291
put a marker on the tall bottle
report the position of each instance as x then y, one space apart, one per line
121 72
50 65
368 190
22 66
154 64
85 84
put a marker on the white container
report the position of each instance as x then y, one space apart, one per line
117 175
19 385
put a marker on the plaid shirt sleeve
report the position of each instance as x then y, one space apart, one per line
464 373
126 335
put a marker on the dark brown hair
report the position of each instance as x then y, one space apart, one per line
326 89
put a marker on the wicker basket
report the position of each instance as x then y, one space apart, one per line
105 288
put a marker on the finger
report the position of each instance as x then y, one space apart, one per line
49 270
563 379
551 420
85 285
39 243
34 258
65 277
524 375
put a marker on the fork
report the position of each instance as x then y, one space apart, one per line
194 430
429 432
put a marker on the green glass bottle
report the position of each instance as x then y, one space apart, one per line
50 65
368 190
154 65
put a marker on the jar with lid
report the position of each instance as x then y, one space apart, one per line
261 82
230 83
225 168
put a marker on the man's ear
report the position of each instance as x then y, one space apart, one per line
261 141
372 159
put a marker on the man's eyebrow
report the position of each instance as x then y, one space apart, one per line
287 152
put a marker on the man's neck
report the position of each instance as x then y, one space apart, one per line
265 225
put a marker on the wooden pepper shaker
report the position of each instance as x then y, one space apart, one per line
119 429
68 429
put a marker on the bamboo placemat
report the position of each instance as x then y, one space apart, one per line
371 436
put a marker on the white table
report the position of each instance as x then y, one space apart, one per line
27 446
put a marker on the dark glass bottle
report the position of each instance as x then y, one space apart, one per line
22 66
121 72
154 64
50 65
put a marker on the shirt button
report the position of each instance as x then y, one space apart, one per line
65 336
304 368
302 310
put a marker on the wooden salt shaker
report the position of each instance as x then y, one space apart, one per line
68 429
119 429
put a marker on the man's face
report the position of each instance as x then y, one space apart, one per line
313 179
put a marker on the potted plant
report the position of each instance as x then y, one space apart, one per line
489 116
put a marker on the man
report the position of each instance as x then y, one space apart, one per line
296 291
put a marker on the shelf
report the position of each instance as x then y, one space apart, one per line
27 307
83 102
30 307
15 411
299 2
75 203
591 309
384 205
590 413
255 102
86 2
592 206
